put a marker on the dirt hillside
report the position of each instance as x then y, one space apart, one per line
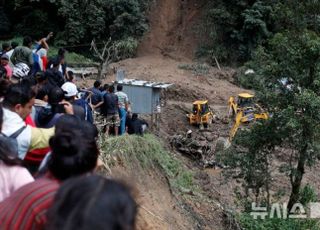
173 28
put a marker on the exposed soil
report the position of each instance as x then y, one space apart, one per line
171 42
173 28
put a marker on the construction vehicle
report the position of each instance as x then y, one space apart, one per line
201 114
245 111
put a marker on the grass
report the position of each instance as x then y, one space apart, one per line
147 153
72 58
248 223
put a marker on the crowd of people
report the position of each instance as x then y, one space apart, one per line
48 144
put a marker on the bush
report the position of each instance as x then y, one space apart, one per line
308 194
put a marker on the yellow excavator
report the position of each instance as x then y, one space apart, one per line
245 111
201 114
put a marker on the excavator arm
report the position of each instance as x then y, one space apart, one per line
236 125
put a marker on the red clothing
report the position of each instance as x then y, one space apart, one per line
27 207
44 63
35 156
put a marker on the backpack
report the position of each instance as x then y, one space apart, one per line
12 139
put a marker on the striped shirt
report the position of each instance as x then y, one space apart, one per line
26 208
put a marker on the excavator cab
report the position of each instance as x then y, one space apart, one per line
244 111
245 100
201 114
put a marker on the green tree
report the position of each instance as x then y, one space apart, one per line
287 81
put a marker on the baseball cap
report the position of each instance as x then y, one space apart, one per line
70 89
5 56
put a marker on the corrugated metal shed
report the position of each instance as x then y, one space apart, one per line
144 96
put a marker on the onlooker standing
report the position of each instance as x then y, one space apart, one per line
96 97
73 154
79 107
17 105
55 77
93 202
12 174
23 54
10 52
104 89
5 64
123 107
110 110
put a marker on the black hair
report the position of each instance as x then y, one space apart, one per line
4 86
14 44
67 122
105 86
111 89
119 87
5 46
55 96
72 154
41 77
56 62
89 129
97 84
70 75
92 202
134 116
27 40
19 93
41 93
61 52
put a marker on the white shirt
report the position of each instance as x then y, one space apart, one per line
12 122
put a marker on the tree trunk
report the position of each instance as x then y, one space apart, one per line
296 182
100 70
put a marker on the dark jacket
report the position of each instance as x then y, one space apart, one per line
110 105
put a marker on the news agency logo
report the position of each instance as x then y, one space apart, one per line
277 210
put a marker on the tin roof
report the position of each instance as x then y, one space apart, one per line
145 83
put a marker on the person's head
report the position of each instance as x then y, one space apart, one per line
14 45
4 59
67 122
97 84
72 154
42 94
62 52
56 63
70 90
119 88
6 46
70 76
56 95
134 116
93 202
41 77
27 41
105 87
111 89
19 98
